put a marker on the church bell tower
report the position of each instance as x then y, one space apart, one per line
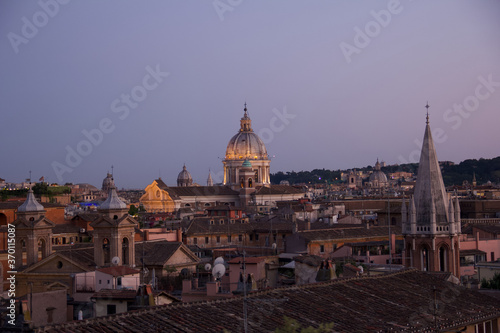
431 225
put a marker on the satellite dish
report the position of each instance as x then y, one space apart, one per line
218 271
208 267
218 260
274 246
115 260
361 268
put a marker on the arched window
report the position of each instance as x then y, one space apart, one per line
250 182
42 249
242 183
106 251
125 251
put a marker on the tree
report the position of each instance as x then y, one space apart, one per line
133 210
493 283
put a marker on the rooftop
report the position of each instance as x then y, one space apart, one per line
397 302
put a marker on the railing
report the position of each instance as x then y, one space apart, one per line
481 221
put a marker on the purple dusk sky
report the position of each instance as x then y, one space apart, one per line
329 84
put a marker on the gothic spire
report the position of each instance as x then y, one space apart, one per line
429 189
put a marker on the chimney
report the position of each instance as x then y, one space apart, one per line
179 235
212 288
146 235
195 283
186 286
308 225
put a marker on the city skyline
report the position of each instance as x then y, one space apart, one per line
149 88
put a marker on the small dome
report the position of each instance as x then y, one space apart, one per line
30 205
184 178
378 175
113 201
107 182
246 164
246 144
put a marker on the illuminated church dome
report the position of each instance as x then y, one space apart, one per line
246 145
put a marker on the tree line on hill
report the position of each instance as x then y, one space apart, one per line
453 174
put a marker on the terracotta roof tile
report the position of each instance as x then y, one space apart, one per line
397 302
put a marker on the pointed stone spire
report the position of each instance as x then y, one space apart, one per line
474 181
430 186
30 205
210 182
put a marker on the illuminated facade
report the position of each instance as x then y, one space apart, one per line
246 145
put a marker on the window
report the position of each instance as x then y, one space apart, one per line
211 221
251 237
125 251
240 238
111 309
100 281
256 237
195 241
232 221
442 259
229 238
109 281
221 221
119 281
206 240
321 248
218 239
